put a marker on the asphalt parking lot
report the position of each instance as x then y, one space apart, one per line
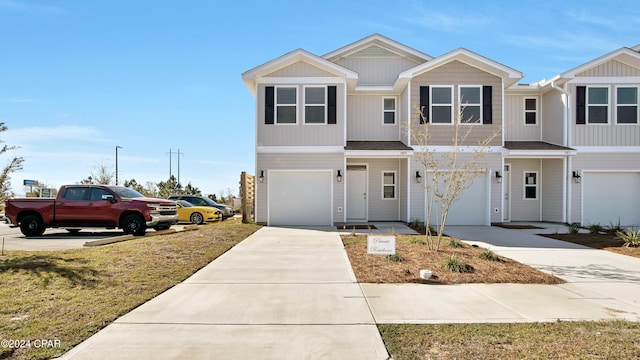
57 239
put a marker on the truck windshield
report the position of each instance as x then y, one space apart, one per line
126 193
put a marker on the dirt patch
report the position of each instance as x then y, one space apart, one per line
602 241
416 256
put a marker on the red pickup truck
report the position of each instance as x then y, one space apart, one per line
79 206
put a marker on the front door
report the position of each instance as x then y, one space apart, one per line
506 178
357 193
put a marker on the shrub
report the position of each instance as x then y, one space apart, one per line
395 258
615 228
630 237
453 264
573 228
455 243
489 255
596 228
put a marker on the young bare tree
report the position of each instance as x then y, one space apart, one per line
448 174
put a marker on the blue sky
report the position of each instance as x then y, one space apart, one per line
78 78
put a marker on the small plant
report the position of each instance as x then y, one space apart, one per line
615 228
455 243
573 228
489 255
453 264
596 228
395 258
418 226
630 237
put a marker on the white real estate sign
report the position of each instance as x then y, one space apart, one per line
381 245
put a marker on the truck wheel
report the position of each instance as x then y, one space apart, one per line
133 224
196 218
32 225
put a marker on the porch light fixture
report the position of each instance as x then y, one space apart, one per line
498 177
418 177
261 177
576 177
339 176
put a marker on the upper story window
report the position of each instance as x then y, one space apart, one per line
315 104
531 111
389 110
441 110
626 105
470 104
286 105
389 185
598 105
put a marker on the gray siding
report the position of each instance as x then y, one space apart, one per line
551 190
300 69
521 209
300 134
377 71
327 161
514 126
612 68
552 117
380 209
404 118
364 118
457 73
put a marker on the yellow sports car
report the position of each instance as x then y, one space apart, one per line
187 212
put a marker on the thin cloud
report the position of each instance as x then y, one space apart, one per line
60 133
25 8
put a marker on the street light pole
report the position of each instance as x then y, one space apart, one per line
117 147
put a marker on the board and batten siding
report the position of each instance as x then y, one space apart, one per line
365 118
458 73
300 134
377 71
524 209
552 200
598 162
612 68
319 161
514 126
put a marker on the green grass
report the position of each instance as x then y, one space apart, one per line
558 340
70 295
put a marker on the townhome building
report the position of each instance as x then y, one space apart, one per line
336 144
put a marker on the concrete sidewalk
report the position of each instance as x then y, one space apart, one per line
279 294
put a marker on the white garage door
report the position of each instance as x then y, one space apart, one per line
609 197
472 206
300 197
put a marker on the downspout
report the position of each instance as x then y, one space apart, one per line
566 185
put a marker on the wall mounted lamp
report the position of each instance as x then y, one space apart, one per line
498 177
576 176
339 176
418 177
261 177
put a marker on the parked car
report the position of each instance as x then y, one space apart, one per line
187 212
227 211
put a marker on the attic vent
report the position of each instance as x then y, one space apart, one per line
374 51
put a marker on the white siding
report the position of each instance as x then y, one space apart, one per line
364 118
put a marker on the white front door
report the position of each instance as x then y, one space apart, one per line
506 184
357 194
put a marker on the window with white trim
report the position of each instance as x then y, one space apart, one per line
598 105
626 105
531 185
286 105
470 104
389 185
388 110
441 110
315 105
531 111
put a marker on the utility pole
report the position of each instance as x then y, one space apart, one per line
170 153
117 147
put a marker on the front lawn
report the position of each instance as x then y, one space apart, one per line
67 296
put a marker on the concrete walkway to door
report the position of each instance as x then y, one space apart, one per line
280 294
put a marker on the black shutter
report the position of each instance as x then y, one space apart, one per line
581 105
487 108
269 105
332 110
424 104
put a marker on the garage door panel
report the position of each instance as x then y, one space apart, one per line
300 198
609 198
471 207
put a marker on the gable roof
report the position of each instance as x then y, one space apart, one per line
379 42
510 76
250 77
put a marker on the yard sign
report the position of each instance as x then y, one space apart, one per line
381 245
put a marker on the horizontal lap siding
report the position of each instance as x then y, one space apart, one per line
457 73
521 209
383 209
364 119
514 127
328 161
377 71
551 191
552 118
